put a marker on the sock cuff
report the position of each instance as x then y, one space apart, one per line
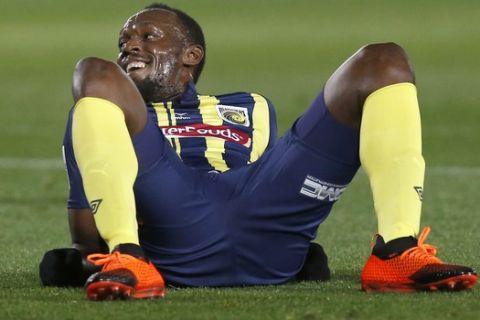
132 249
390 249
98 102
392 87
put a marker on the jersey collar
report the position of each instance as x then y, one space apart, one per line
189 98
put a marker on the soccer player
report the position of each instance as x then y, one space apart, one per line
171 186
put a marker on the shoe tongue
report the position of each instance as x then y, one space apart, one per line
393 247
131 249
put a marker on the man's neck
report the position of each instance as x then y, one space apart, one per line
189 93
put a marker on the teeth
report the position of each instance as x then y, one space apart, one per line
135 65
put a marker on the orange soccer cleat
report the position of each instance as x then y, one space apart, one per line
408 265
123 276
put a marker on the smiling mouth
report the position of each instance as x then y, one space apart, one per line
135 65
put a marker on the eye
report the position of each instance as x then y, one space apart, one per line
122 42
150 36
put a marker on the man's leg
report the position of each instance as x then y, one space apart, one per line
103 119
108 111
374 91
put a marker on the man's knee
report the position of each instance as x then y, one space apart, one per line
382 64
94 77
372 67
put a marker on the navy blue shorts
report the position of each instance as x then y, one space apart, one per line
248 226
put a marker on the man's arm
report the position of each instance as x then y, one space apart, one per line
84 232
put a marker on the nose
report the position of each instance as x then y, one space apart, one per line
133 45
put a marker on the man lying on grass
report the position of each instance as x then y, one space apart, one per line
171 186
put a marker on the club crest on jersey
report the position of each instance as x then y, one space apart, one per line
234 115
315 188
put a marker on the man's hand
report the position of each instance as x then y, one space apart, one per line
316 265
65 267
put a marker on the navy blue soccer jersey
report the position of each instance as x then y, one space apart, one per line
220 132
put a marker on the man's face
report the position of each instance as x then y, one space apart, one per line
152 45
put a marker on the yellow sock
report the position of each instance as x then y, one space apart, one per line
107 162
391 155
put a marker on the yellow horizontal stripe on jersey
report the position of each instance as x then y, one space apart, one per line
215 146
261 127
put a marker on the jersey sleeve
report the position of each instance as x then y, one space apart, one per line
77 198
264 126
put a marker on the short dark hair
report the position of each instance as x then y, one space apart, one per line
194 33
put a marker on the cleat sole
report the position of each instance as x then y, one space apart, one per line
457 283
110 290
150 293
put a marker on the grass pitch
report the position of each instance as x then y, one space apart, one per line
284 50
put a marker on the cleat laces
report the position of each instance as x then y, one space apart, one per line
100 259
422 251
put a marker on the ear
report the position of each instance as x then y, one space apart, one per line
193 55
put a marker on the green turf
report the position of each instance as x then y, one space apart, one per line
284 50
